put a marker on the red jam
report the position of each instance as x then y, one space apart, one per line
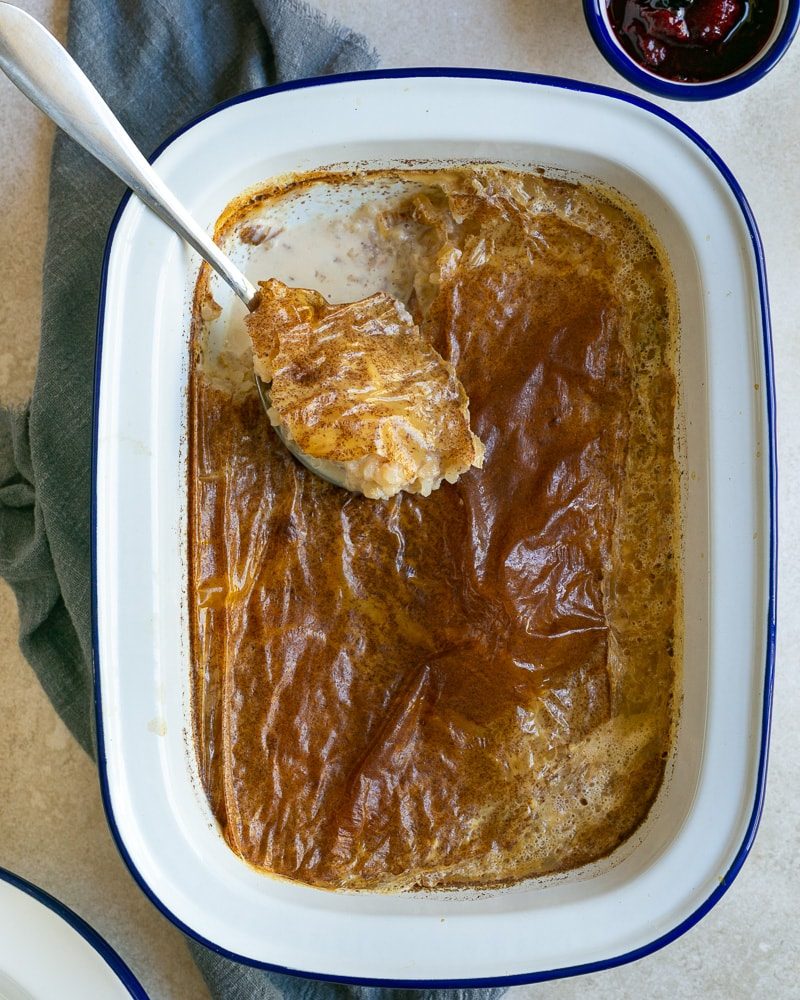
693 40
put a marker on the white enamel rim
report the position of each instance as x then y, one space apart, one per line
705 819
47 951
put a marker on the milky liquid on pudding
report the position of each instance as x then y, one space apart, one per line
479 686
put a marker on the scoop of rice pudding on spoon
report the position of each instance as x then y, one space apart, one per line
357 393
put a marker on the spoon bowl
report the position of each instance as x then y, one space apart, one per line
312 464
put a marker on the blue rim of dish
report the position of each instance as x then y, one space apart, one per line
626 66
726 880
86 931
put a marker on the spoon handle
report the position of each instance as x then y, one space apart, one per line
47 75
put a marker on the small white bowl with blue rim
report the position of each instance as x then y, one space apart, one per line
602 31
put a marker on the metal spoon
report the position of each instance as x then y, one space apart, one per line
48 76
310 463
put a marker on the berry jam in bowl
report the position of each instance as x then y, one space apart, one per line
692 49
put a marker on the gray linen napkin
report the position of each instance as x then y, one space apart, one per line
158 63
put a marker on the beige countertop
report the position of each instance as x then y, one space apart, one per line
52 826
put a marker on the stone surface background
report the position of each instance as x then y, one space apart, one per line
52 827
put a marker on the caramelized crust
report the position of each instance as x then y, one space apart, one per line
475 687
357 385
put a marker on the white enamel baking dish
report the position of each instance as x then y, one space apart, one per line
702 826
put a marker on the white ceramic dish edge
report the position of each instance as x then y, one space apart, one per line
79 961
393 955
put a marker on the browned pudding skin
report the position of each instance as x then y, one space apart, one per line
358 382
475 687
